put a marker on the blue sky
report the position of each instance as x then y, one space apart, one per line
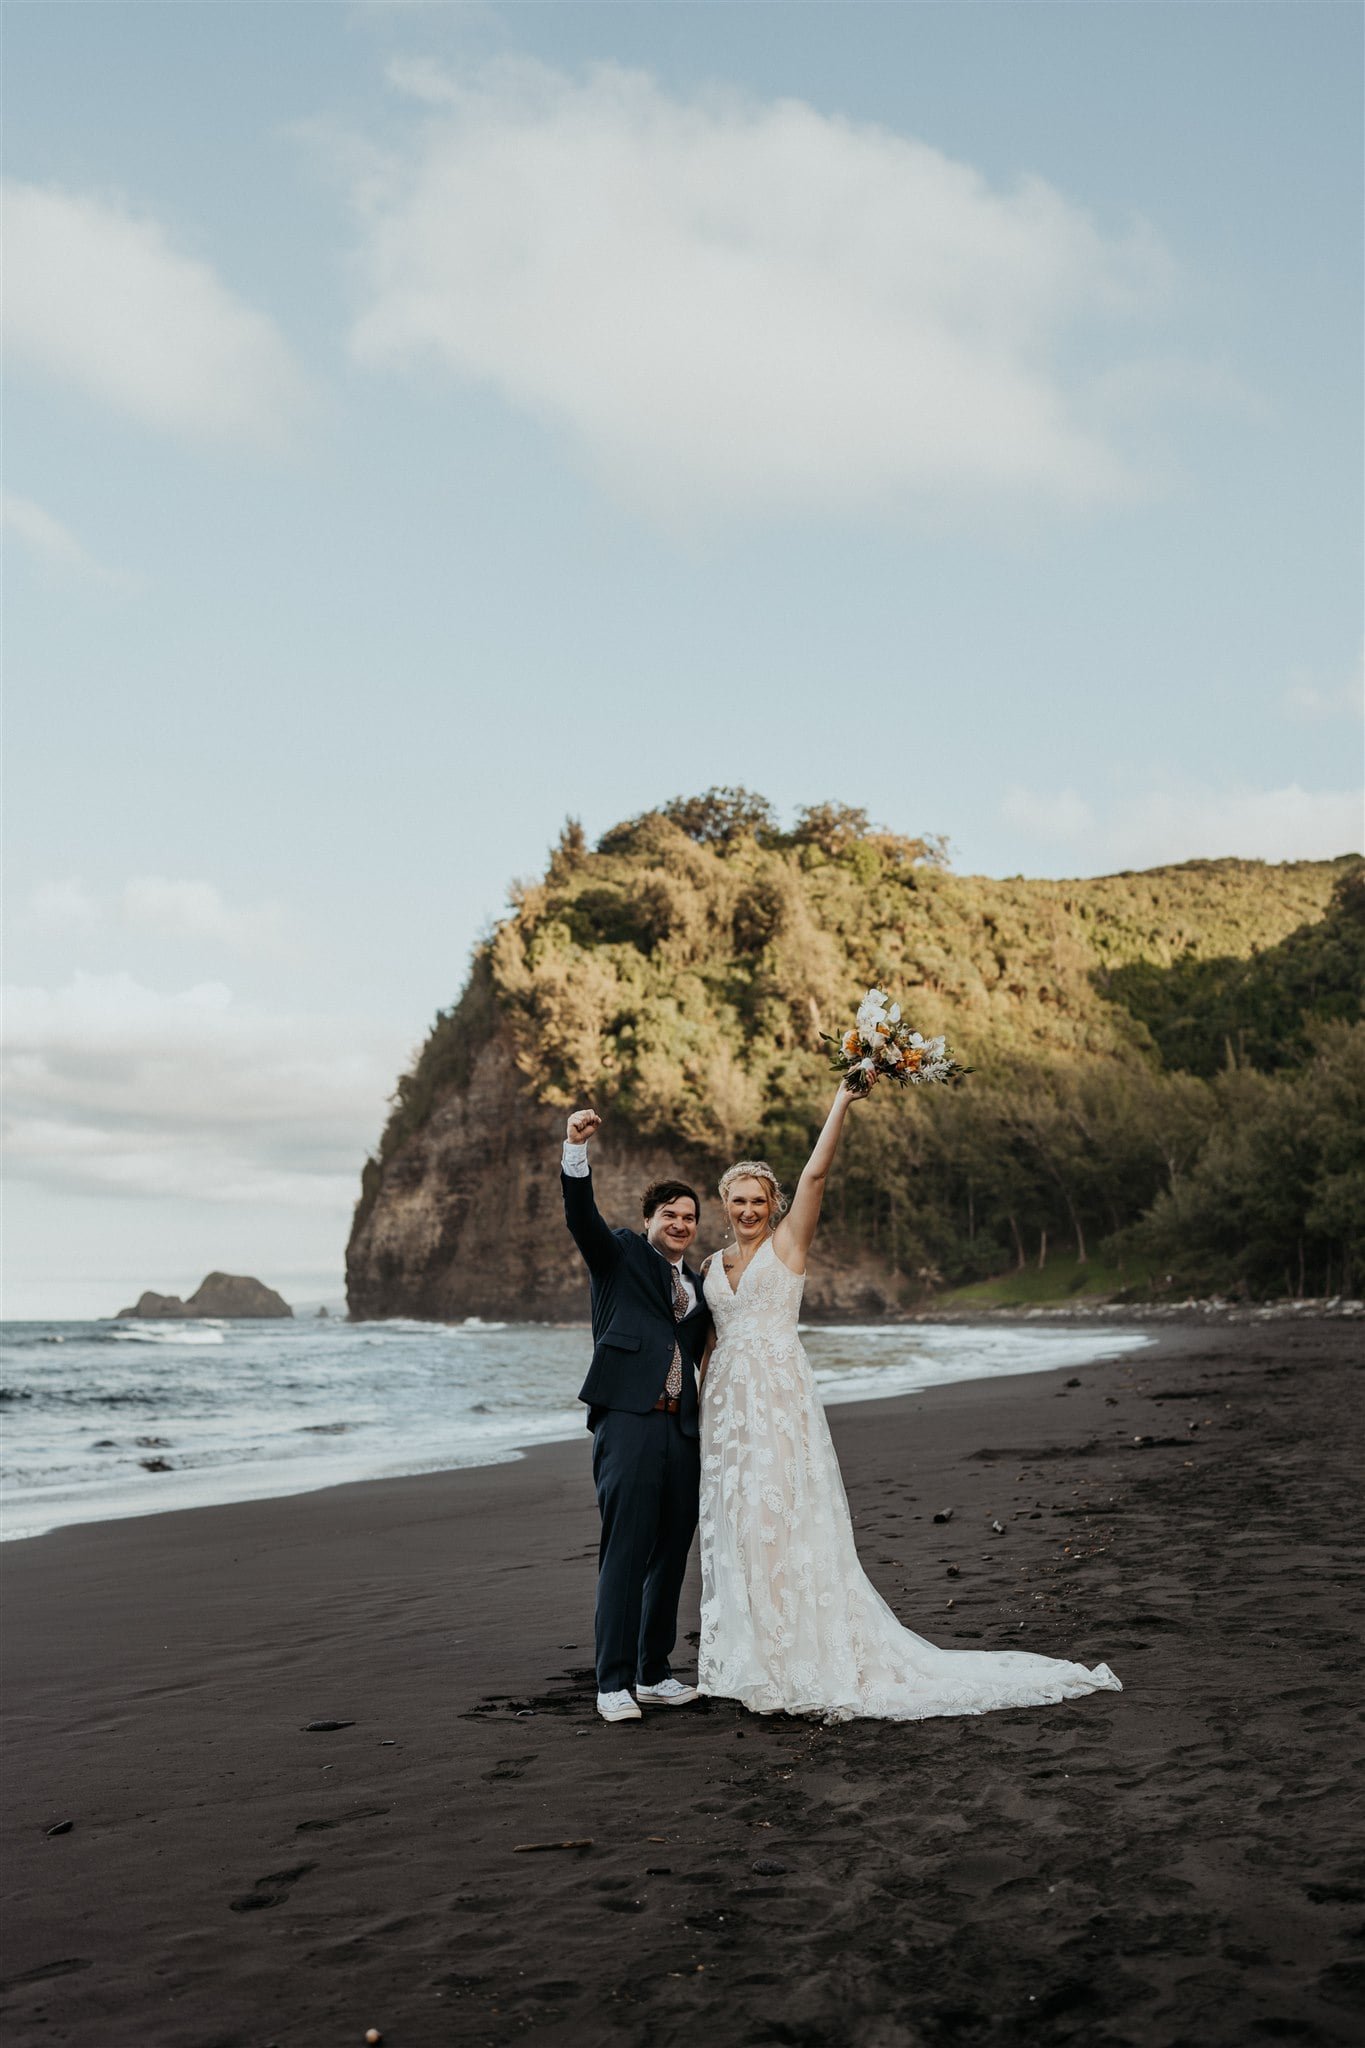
424 422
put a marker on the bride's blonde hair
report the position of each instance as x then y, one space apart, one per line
756 1169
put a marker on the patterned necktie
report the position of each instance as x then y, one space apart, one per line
673 1384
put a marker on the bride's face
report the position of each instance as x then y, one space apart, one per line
748 1206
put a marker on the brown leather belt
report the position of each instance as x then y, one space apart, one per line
665 1406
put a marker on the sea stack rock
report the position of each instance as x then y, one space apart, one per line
218 1294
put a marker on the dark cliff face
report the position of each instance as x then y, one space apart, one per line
468 1219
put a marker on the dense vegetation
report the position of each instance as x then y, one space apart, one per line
1169 1067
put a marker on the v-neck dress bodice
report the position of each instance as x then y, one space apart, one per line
765 1299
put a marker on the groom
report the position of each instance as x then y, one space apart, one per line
649 1326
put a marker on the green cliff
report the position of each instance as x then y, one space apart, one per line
1169 1067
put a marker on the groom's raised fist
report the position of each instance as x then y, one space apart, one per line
582 1124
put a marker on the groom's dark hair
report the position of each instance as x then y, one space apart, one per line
663 1191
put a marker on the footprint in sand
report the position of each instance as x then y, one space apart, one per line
341 1820
270 1890
1343 1984
42 1971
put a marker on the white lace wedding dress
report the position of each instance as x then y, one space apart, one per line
790 1623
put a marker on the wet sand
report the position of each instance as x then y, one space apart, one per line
1176 1864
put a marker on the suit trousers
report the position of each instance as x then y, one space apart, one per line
647 1475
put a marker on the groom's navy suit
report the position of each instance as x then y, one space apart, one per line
645 1461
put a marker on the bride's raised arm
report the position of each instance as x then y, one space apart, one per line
793 1235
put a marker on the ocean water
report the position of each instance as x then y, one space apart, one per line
100 1420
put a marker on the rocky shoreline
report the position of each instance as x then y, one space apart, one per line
1212 1310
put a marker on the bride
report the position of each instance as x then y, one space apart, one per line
790 1623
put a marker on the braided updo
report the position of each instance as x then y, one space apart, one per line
756 1169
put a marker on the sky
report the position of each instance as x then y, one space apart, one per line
427 422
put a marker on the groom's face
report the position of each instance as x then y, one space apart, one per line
673 1226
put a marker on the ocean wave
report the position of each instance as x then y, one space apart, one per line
397 1326
898 1330
416 1326
59 1398
188 1333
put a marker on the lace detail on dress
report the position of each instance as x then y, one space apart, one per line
789 1620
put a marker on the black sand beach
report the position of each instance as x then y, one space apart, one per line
1176 1864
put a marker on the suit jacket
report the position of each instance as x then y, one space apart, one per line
633 1330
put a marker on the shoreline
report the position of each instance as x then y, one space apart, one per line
1169 1864
1191 1308
244 1481
1213 1309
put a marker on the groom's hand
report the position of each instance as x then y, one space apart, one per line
582 1124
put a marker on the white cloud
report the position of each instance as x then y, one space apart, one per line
114 1086
1135 389
61 906
54 544
1192 823
730 305
162 907
1058 818
98 296
196 910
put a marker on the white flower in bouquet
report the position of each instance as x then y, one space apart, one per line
879 1042
875 1023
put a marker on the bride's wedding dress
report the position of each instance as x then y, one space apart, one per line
789 1620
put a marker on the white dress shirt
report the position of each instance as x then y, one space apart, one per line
575 1164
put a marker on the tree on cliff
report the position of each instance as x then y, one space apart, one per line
1122 1031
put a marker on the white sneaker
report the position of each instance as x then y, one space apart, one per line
669 1692
617 1706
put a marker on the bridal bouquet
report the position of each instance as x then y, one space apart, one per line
881 1042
